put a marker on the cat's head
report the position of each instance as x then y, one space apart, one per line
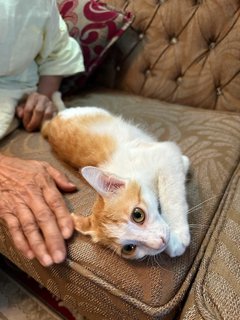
125 216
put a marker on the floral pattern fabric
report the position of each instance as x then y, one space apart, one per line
95 26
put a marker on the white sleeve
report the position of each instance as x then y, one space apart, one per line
60 54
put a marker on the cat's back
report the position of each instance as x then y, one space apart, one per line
88 135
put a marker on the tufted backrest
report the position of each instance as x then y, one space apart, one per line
181 51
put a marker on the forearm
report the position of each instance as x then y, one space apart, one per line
49 84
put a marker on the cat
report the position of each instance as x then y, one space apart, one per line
141 207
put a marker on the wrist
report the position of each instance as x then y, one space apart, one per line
48 85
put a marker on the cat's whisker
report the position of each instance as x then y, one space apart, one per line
199 226
161 263
200 204
155 258
143 258
196 232
150 261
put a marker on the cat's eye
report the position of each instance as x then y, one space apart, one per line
128 249
138 215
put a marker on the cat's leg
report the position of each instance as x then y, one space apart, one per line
172 196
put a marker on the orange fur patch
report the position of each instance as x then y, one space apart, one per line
115 210
73 141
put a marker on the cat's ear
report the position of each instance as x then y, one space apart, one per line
104 183
84 225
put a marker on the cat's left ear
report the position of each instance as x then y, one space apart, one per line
84 225
104 183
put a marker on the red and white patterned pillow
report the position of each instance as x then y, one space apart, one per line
96 27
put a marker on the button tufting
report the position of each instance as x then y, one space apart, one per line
219 91
118 68
147 72
179 80
141 36
173 40
212 45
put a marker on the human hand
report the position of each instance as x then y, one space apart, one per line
33 208
34 110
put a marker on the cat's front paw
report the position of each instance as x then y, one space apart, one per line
178 242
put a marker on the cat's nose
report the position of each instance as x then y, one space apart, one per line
157 243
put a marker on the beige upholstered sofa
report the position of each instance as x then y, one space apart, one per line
176 71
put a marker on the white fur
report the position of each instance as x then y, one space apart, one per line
80 111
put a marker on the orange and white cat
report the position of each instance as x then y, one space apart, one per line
141 208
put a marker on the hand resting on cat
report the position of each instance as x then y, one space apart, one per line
141 207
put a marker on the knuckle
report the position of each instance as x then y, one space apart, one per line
30 189
55 202
28 108
49 111
42 99
44 216
12 224
39 109
19 244
29 227
44 165
38 245
34 95
38 164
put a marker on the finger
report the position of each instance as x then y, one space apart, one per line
28 108
60 179
37 114
17 235
50 111
56 203
20 111
46 221
33 235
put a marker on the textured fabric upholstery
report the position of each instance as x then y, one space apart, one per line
216 291
181 51
186 53
154 288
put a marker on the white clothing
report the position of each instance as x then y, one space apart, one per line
34 41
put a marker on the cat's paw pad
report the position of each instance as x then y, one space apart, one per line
178 243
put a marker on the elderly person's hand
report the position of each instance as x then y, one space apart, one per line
33 208
34 110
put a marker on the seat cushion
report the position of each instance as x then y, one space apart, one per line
101 284
216 290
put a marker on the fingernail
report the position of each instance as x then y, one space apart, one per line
30 255
66 232
72 185
58 257
47 260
